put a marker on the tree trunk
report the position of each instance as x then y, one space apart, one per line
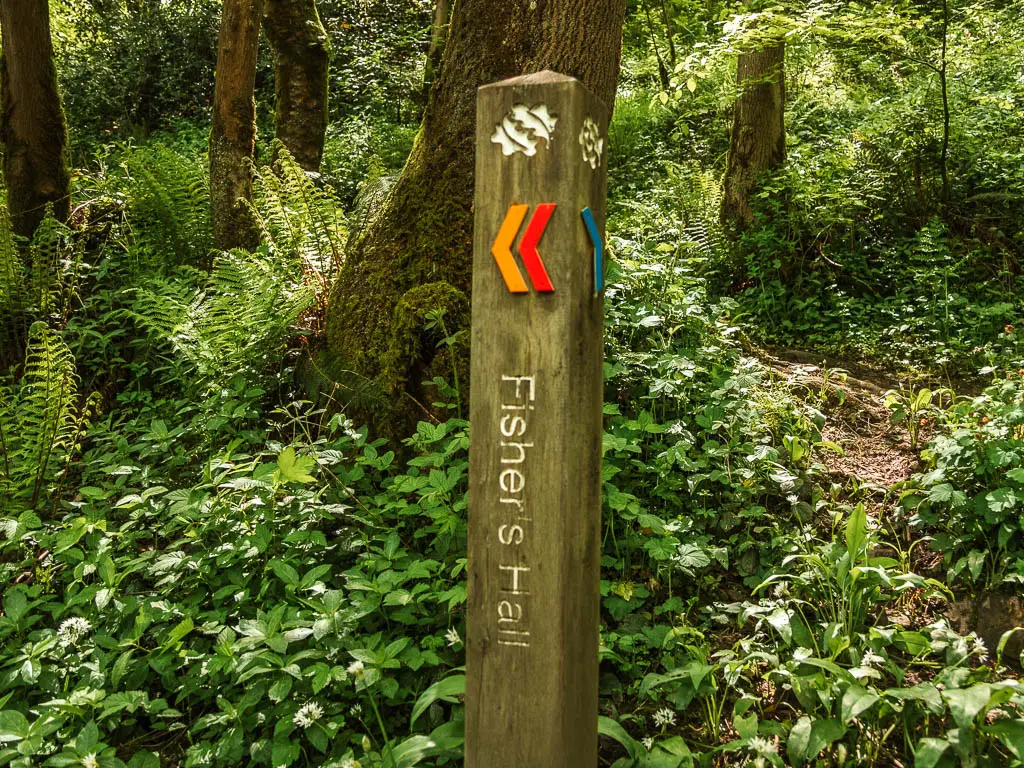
233 138
438 34
414 256
758 142
302 53
35 135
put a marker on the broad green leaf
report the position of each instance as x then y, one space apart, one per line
808 739
608 727
412 751
1017 475
284 572
856 532
87 738
280 689
798 744
975 562
180 630
923 400
942 492
967 703
13 726
779 619
1001 500
447 689
856 700
929 751
15 604
691 557
1003 640
926 693
1011 733
294 469
144 759
746 726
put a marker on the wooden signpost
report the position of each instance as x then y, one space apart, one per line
535 457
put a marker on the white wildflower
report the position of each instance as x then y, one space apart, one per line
308 714
871 660
664 717
90 761
980 650
356 669
72 630
356 710
452 636
350 762
763 746
648 742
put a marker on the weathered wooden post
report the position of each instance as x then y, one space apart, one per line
535 457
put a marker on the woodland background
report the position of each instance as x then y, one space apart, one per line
233 451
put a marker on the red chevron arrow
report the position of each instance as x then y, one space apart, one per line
528 248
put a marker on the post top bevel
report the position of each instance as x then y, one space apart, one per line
543 77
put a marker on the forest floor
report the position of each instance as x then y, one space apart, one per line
877 457
875 452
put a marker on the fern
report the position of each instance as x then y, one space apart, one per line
42 419
40 280
300 221
232 321
698 197
170 196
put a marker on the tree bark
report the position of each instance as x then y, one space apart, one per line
438 35
758 142
302 53
415 255
233 138
35 135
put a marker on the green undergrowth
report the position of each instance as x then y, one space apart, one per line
208 570
202 567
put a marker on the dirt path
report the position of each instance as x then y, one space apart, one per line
876 454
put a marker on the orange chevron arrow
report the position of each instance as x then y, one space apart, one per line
528 248
502 248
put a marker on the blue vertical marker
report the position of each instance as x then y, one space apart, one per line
595 238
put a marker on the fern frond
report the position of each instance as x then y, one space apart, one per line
300 220
43 420
231 321
170 208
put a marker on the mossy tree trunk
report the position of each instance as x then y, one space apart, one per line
233 137
302 53
35 135
438 34
758 141
413 258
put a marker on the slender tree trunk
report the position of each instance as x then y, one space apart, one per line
302 53
35 135
438 35
233 138
670 34
944 83
414 256
758 142
663 75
